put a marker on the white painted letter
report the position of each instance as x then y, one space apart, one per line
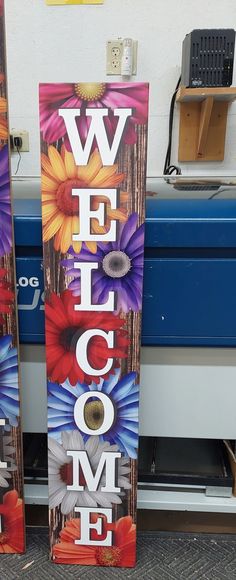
3 464
108 413
107 461
86 289
96 130
81 351
86 214
86 526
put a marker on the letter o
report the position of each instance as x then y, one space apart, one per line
109 413
23 282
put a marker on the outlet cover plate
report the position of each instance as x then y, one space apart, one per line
114 56
24 135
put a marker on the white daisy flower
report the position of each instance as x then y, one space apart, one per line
6 473
60 473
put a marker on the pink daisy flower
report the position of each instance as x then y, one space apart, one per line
91 95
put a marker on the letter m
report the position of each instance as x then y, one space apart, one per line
81 463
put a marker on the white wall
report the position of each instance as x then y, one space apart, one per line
183 392
59 44
67 43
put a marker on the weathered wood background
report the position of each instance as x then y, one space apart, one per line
131 161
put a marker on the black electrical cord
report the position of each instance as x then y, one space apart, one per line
17 142
168 168
219 192
19 160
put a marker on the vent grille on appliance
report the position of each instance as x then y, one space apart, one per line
212 57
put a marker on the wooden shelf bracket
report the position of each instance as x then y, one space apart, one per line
205 117
203 120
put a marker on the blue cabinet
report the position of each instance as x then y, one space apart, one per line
189 274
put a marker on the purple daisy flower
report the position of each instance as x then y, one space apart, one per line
5 204
120 268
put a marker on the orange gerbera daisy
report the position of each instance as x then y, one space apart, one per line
121 554
12 539
61 210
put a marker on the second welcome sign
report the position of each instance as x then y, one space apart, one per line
94 149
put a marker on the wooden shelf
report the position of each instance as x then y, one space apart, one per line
203 120
218 93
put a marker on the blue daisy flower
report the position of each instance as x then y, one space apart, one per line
9 386
123 393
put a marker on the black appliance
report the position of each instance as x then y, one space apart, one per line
185 462
208 57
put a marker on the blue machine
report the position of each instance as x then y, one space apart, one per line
189 273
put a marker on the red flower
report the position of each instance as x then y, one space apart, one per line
12 538
121 553
64 326
6 295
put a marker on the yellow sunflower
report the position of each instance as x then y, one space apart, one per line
60 210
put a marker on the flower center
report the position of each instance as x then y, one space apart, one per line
69 337
66 202
4 538
94 414
66 474
90 91
116 264
108 556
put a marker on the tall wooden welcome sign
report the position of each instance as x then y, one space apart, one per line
12 535
94 140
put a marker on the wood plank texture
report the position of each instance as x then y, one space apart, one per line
191 133
205 116
185 94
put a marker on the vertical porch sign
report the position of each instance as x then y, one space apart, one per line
94 150
12 533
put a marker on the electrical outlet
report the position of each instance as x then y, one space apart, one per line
114 56
24 136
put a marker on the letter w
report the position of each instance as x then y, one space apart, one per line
97 129
107 460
